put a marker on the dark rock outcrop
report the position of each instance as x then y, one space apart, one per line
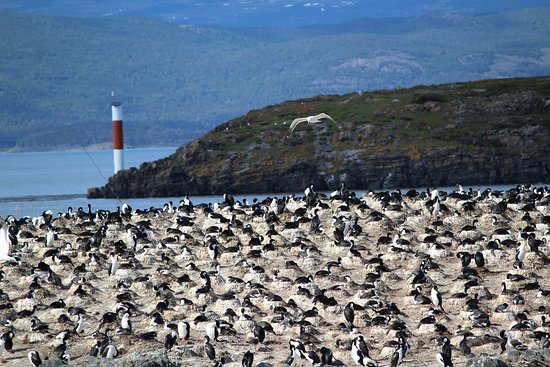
478 133
146 359
529 358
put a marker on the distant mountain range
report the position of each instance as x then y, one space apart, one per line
177 82
263 13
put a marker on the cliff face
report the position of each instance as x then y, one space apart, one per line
486 132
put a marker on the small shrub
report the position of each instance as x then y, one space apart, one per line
428 97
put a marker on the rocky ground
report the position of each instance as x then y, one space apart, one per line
261 270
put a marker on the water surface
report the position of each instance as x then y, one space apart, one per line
33 182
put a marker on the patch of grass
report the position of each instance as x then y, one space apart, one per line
428 97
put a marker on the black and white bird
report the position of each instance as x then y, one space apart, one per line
61 350
5 244
205 280
228 199
96 350
107 318
170 340
212 330
259 333
327 358
209 348
110 351
521 251
359 357
398 355
213 251
50 237
80 324
39 326
296 348
479 259
113 267
359 341
401 351
444 356
464 345
248 359
311 357
34 358
349 314
436 298
508 342
125 323
6 340
183 330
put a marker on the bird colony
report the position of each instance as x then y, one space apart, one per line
427 278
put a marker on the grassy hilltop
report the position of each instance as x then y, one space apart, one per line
492 131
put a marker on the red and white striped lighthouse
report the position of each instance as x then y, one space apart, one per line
118 140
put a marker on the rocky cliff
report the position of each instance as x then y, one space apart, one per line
476 133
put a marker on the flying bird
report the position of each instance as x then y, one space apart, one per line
310 120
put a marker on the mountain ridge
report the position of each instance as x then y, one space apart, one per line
178 82
280 14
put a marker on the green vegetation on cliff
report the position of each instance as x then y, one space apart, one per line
492 131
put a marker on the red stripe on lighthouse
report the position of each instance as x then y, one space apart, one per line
118 140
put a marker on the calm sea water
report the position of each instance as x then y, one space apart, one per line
33 182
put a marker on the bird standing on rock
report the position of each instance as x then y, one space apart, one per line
259 333
435 295
110 351
6 341
360 354
170 340
349 314
248 359
464 345
125 323
79 327
5 244
183 330
209 349
113 267
400 353
212 330
444 356
34 358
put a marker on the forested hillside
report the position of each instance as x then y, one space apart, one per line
57 73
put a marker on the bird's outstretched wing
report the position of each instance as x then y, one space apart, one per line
295 123
323 116
310 120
